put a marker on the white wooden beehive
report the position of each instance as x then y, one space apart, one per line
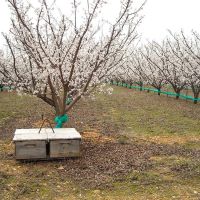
30 144
64 143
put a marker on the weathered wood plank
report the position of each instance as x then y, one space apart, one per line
30 144
30 137
64 134
30 134
30 150
64 148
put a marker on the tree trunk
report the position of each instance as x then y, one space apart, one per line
176 90
122 83
61 116
1 88
141 85
159 91
177 95
196 96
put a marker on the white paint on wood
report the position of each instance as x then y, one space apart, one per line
65 134
29 136
46 133
32 130
30 144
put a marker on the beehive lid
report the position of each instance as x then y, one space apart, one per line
30 134
64 133
46 134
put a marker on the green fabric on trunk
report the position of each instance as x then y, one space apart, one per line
60 120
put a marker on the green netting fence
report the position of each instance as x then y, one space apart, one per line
182 96
6 88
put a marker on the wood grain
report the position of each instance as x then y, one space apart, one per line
64 148
30 150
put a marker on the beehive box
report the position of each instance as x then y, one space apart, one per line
64 143
30 144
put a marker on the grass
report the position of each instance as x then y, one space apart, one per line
128 117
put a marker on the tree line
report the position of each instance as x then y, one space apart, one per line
57 56
174 61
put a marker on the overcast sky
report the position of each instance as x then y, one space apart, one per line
160 15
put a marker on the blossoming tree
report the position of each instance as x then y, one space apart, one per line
153 67
186 52
57 58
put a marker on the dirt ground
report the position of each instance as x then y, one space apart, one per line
130 150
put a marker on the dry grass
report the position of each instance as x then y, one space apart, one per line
136 146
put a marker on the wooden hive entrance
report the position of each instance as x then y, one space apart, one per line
30 144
